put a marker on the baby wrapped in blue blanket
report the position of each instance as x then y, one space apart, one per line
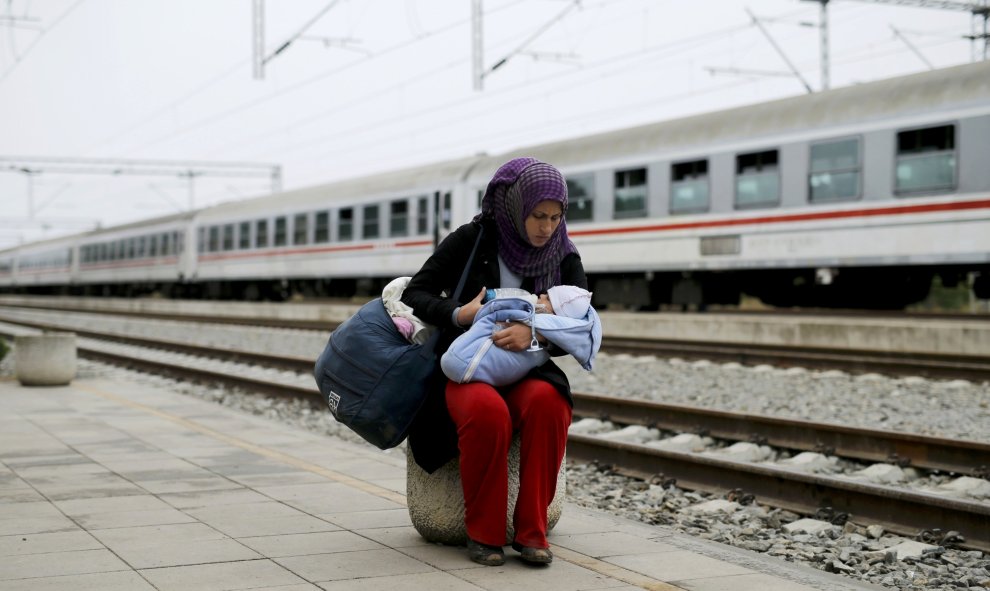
571 324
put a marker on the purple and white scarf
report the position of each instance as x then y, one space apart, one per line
517 188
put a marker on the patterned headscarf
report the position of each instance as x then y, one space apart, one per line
517 188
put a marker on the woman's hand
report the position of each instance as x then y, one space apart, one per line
465 316
516 337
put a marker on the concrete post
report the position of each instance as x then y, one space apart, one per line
436 501
47 359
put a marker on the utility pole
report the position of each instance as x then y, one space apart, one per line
780 51
823 23
912 47
33 166
259 36
979 11
258 39
823 43
477 47
476 17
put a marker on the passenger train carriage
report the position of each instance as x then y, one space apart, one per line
854 197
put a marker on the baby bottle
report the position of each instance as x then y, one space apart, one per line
504 292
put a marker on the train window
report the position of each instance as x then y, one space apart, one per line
214 243
131 248
244 235
142 245
370 229
345 224
300 228
261 233
757 179
445 213
398 221
689 187
835 171
423 215
120 250
153 245
630 193
281 231
228 237
580 197
165 244
321 231
926 160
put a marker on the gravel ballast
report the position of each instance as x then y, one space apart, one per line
942 408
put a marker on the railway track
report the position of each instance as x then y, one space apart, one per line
947 366
107 306
896 509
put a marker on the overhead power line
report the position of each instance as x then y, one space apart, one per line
38 39
114 167
31 167
780 51
476 32
227 113
911 46
979 11
940 4
259 38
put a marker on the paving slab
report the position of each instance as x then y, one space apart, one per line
119 485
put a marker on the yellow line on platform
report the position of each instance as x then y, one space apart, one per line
384 493
599 566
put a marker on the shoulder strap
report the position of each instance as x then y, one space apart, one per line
467 266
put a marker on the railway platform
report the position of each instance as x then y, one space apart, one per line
115 485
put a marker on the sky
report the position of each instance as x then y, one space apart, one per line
377 85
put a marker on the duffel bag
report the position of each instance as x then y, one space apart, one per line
374 380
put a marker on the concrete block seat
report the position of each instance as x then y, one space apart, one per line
436 501
46 359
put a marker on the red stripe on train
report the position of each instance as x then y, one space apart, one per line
352 247
797 217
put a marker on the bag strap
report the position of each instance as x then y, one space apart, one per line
430 345
467 266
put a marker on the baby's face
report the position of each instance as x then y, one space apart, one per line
544 300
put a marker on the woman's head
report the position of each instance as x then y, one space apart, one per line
528 201
542 222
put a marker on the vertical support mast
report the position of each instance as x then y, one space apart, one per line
258 39
477 61
824 43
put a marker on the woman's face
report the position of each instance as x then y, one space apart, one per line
542 222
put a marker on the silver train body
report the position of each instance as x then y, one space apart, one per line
855 197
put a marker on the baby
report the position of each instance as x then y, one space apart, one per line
563 315
564 300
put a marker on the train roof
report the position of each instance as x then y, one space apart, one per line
399 182
948 89
70 239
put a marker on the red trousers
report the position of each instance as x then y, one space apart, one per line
485 422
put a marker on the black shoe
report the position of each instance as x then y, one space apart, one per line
484 554
533 555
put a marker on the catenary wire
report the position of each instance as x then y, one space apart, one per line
38 39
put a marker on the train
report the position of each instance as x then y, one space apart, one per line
857 197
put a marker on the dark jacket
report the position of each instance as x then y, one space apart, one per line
433 436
